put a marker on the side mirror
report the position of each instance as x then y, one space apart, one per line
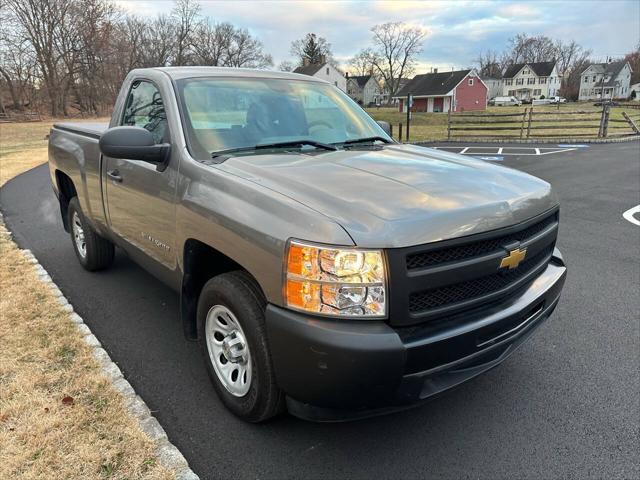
386 127
134 143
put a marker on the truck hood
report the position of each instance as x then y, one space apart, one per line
400 195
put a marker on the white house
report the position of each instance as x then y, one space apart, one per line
364 89
527 81
325 71
613 77
494 87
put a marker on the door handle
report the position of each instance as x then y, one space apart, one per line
114 175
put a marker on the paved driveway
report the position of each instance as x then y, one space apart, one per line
565 405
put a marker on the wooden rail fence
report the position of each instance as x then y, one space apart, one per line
532 124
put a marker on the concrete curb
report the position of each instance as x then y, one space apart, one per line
529 141
167 453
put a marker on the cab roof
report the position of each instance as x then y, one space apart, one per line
179 73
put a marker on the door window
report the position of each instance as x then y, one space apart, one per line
144 108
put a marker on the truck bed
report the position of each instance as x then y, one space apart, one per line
73 149
92 129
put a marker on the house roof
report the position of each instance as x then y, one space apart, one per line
611 69
310 69
361 80
433 83
541 69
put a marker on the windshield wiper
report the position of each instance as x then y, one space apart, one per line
266 146
365 140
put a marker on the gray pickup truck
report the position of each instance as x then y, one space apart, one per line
323 267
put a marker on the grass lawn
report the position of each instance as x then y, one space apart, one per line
433 126
59 416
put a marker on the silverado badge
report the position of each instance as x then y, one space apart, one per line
513 259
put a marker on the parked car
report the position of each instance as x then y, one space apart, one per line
609 103
556 99
492 101
323 267
503 101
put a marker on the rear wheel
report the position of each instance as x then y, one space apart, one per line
233 341
93 251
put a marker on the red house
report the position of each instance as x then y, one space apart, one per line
440 92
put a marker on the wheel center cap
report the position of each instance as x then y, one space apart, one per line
233 347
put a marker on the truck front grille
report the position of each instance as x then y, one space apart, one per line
452 254
463 291
446 278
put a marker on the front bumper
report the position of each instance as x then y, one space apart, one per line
335 370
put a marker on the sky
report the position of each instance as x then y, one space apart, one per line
457 30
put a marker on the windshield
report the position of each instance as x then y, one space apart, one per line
235 113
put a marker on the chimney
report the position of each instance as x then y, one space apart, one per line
305 61
346 75
323 59
435 70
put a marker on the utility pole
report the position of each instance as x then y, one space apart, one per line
409 105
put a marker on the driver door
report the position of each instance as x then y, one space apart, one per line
140 195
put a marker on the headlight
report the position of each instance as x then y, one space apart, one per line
335 281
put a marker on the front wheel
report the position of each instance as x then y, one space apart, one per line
232 337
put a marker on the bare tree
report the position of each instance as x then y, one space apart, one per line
41 22
158 43
489 64
634 61
75 53
247 51
396 46
18 66
212 42
360 64
93 76
286 66
525 49
186 14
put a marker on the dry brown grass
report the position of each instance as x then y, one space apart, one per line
44 360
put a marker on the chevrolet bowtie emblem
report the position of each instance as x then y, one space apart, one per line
513 259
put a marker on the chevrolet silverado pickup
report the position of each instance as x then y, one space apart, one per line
323 268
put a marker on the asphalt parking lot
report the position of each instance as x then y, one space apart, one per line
567 404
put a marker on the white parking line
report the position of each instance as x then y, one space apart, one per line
522 151
629 215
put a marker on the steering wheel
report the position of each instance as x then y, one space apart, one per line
319 123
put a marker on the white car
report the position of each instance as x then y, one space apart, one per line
502 101
556 99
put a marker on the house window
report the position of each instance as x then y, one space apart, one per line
519 81
335 83
525 72
327 70
543 80
471 82
509 81
537 91
586 79
511 93
594 78
531 81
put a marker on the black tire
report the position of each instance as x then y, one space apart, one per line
99 251
238 292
